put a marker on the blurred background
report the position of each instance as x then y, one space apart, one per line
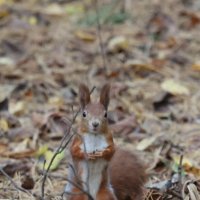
148 50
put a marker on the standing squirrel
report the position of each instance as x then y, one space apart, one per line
98 171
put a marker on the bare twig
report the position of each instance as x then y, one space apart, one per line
175 194
103 54
59 149
15 184
180 166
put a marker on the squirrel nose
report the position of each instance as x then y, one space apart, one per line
95 124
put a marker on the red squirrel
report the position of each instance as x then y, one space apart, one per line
99 172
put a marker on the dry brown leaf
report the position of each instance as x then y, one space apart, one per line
196 66
12 167
19 133
17 108
174 87
74 8
146 143
193 192
3 147
118 43
189 165
85 35
56 101
6 60
139 66
4 125
193 17
54 10
125 126
20 155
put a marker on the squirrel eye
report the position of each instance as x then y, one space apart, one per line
105 115
84 114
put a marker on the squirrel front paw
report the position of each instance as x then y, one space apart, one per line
95 155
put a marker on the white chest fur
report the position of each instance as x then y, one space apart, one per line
93 142
92 170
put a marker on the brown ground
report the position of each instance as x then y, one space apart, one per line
152 61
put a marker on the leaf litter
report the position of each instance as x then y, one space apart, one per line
48 47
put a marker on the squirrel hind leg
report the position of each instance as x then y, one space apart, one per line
75 197
76 194
106 194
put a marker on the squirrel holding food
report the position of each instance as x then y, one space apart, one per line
100 170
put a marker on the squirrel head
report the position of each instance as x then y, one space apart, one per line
94 114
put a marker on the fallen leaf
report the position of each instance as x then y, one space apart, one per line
59 123
118 43
6 61
19 150
54 10
189 165
85 35
39 119
3 147
117 89
12 167
174 87
196 66
139 66
5 91
20 155
193 17
160 24
17 108
32 20
4 2
73 9
146 143
3 125
19 133
47 156
125 126
194 194
57 101
42 150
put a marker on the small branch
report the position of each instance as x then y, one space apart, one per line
15 184
180 166
175 194
60 148
103 54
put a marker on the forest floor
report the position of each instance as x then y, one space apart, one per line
151 57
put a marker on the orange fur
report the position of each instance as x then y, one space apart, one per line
127 174
105 194
75 149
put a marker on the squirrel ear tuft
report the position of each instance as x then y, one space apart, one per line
105 95
84 95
